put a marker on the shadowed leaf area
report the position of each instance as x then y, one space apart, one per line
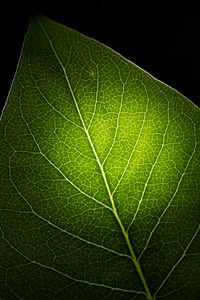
100 177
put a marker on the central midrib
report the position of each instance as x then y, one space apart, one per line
125 233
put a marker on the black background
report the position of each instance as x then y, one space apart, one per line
162 38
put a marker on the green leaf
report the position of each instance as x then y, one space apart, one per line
100 177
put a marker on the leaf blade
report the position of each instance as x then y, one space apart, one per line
121 137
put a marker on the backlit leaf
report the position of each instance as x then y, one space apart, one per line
100 181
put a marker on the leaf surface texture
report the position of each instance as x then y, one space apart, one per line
100 181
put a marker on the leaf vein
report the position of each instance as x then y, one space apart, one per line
174 195
152 169
136 143
180 259
65 275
